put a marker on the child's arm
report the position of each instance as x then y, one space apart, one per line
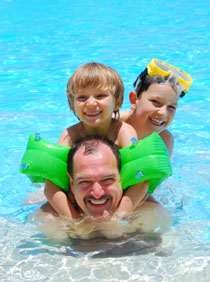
59 200
168 139
55 196
133 197
124 115
125 134
135 194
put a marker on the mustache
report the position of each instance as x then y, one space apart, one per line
90 197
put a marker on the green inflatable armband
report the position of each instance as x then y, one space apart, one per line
145 160
43 160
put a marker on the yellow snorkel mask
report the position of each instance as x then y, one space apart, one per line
158 67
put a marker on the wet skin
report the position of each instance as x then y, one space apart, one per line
96 186
94 107
154 110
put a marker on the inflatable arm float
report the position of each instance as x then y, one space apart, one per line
146 159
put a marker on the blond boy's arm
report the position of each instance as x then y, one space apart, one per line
55 196
168 139
59 200
134 195
126 133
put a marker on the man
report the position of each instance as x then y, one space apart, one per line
94 171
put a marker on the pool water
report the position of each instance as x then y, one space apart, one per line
42 43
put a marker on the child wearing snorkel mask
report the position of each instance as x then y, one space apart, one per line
155 99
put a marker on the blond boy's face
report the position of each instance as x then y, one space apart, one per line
94 107
155 108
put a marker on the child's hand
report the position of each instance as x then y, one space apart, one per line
133 198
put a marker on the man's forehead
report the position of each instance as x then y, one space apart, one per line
94 148
103 157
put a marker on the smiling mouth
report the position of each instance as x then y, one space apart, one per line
97 207
93 114
98 202
101 202
157 122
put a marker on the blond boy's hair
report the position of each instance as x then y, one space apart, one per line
97 76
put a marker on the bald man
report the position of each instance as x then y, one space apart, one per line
94 171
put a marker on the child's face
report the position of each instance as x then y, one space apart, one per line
155 108
94 106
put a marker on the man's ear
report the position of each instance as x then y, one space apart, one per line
71 183
133 98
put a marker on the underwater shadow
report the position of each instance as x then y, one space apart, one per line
134 245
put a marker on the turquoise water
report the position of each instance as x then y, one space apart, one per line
42 43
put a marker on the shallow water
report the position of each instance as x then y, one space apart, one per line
41 45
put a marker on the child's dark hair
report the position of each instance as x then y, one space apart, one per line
142 83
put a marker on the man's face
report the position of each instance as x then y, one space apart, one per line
96 185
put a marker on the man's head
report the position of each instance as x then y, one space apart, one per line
94 170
